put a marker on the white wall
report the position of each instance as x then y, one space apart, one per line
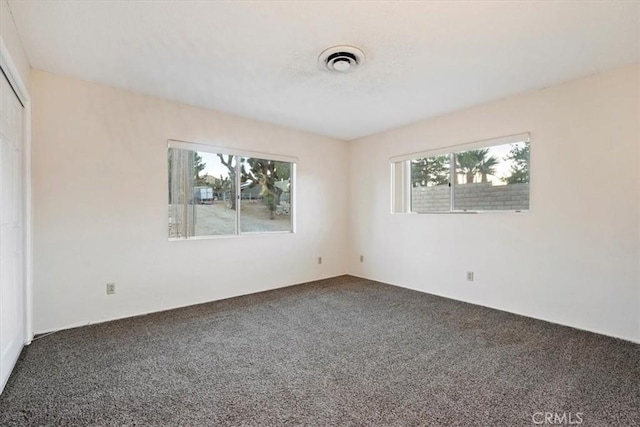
573 259
12 40
100 206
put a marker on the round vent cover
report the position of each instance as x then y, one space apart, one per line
341 59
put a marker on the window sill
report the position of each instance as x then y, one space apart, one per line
461 212
231 236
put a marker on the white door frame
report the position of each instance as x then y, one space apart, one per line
11 71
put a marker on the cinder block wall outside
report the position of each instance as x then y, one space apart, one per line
480 196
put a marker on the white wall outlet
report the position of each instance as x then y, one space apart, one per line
361 258
470 276
111 288
319 260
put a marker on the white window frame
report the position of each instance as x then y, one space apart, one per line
238 154
401 174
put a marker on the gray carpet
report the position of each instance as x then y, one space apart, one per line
343 351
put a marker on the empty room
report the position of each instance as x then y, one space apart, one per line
319 213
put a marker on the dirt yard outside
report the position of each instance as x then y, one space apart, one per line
217 219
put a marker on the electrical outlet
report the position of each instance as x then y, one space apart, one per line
470 276
319 260
361 258
111 288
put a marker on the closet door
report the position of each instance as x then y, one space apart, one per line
12 284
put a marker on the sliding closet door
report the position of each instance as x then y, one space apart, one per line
12 283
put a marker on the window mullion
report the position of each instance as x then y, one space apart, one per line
452 179
407 188
238 193
185 190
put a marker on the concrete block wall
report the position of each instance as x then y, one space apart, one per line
430 199
477 196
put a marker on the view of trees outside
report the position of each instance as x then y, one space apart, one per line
475 163
227 181
202 194
430 171
266 174
497 165
519 155
198 167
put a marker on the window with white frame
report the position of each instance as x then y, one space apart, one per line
220 192
483 176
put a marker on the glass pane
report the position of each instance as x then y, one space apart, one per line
202 198
214 194
430 189
180 187
265 195
492 178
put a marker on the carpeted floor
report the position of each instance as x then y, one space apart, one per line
338 352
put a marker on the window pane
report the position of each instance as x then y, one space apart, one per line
204 200
430 189
201 194
214 195
180 163
492 178
265 195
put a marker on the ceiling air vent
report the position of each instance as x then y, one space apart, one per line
341 59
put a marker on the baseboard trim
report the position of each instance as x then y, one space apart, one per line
82 323
631 340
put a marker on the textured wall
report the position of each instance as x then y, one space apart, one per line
573 258
100 206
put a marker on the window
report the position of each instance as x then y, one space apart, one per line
484 176
220 192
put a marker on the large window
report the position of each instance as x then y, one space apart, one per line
485 176
217 192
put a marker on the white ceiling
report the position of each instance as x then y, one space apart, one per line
258 59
